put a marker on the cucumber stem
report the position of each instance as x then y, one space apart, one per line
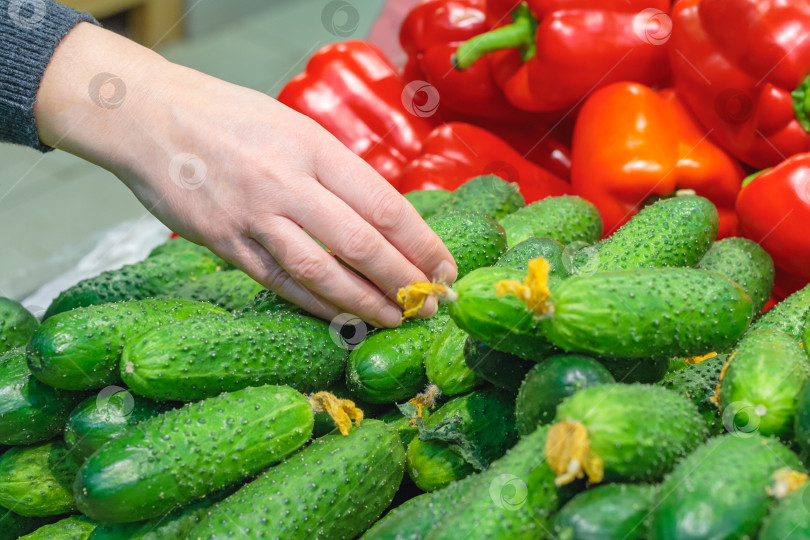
425 400
342 411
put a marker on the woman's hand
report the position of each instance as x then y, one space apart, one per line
235 170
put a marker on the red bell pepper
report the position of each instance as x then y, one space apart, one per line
456 152
632 144
735 63
549 54
354 92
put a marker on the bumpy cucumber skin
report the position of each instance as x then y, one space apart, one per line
698 383
427 200
16 324
474 240
176 246
444 362
790 519
388 365
744 262
268 302
719 491
80 349
230 289
35 480
335 488
669 232
640 370
801 423
551 381
144 279
612 511
761 382
639 431
432 466
487 194
566 219
502 369
101 418
790 315
30 411
14 526
76 527
200 358
502 322
519 255
222 440
654 312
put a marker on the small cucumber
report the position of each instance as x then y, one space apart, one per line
519 255
790 519
230 289
551 381
640 370
202 357
789 316
17 325
176 246
14 526
388 365
744 262
488 194
431 466
179 456
30 411
612 511
444 362
801 423
627 432
670 232
80 349
720 490
76 527
566 219
698 383
474 240
36 480
502 369
762 378
335 488
427 200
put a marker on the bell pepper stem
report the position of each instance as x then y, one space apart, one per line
801 103
517 35
747 180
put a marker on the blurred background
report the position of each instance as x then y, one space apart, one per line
55 208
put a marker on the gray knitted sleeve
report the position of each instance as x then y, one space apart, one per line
30 31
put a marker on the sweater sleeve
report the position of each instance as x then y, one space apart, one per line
30 31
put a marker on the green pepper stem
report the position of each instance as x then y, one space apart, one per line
801 103
747 180
518 35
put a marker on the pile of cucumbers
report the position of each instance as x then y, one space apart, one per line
569 387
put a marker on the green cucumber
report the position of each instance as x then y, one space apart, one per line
474 240
145 279
432 467
444 362
758 390
80 349
720 490
519 255
551 381
176 246
103 417
670 232
325 424
698 383
502 369
387 366
36 480
427 200
566 219
268 302
790 519
230 289
335 488
17 325
801 423
202 357
789 316
486 194
402 425
30 411
744 262
13 526
179 456
76 527
612 511
641 370
647 313
639 432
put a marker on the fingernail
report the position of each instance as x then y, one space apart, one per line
446 272
390 316
430 308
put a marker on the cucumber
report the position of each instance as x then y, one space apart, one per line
630 370
36 480
176 246
268 302
670 232
647 313
444 362
179 456
720 490
230 289
13 526
636 432
202 357
325 424
698 383
486 194
566 219
335 488
474 240
103 417
465 434
789 316
16 324
388 365
801 423
402 425
80 349
790 519
744 262
70 528
519 255
759 387
551 381
145 279
427 200
30 411
502 369
612 511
